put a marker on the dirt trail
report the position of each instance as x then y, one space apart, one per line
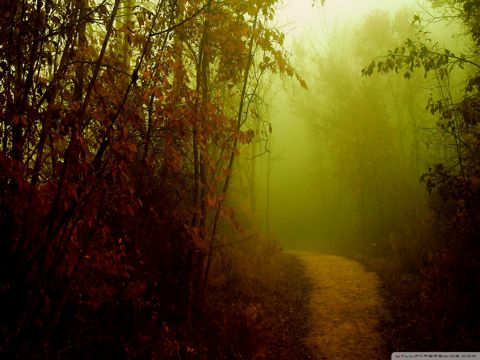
346 309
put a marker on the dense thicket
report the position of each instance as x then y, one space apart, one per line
119 123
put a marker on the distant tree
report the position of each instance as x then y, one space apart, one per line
369 151
450 279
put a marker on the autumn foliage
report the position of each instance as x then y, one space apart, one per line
119 123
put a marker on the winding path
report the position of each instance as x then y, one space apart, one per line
346 308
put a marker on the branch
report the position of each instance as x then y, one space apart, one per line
173 27
233 242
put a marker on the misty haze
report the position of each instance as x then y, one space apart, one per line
268 179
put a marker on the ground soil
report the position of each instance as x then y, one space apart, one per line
345 308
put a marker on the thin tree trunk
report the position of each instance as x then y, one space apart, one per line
231 160
200 177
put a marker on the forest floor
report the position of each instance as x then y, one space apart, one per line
346 309
265 315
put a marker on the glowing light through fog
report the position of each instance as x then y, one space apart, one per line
311 32
300 14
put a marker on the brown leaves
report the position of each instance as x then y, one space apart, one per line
198 240
109 131
245 137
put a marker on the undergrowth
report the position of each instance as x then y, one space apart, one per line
257 306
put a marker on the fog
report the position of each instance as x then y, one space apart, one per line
155 154
346 157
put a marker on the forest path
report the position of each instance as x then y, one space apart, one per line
346 308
